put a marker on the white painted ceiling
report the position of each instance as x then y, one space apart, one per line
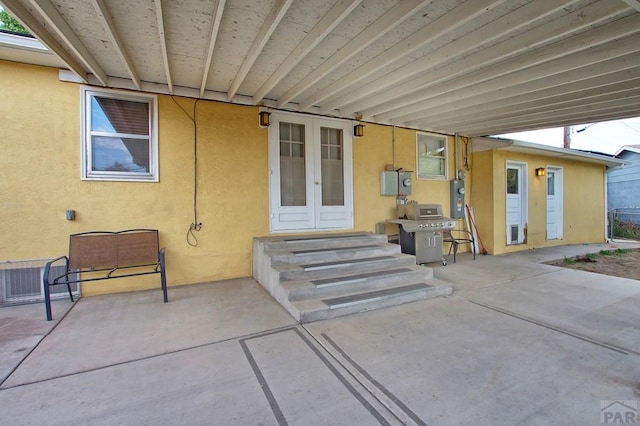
476 67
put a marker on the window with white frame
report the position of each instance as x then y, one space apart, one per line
431 156
119 137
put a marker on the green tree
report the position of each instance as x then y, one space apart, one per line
9 23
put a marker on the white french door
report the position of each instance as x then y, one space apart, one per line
311 177
516 201
554 203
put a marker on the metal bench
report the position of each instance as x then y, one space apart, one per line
115 254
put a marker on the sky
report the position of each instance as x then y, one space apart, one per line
606 136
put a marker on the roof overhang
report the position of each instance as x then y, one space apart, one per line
472 67
17 48
628 148
511 145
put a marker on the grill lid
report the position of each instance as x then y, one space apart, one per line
415 211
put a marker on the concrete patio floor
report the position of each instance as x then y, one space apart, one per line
518 342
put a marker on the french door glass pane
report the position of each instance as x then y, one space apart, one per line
292 165
512 181
331 152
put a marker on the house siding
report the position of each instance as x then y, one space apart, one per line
41 180
623 186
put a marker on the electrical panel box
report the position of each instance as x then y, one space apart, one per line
404 183
389 183
395 183
457 198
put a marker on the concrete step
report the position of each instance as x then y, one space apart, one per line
308 254
325 276
320 309
314 270
320 241
335 286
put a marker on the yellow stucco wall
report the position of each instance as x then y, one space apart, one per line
583 200
480 195
380 146
41 180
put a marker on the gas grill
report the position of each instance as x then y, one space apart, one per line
421 228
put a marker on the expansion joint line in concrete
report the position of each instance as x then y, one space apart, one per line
395 406
38 344
500 283
131 361
264 385
623 351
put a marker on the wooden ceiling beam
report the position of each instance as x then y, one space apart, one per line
328 22
377 96
109 27
163 44
444 24
270 24
391 19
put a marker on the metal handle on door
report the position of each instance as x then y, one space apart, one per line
317 183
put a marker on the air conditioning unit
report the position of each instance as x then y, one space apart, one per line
21 282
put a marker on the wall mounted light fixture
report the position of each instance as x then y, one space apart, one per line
541 171
263 118
358 130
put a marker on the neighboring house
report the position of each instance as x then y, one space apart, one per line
623 185
126 159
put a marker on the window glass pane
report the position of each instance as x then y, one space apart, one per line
512 181
120 154
431 166
432 156
332 167
324 152
285 135
335 153
119 116
119 141
551 183
284 149
335 137
297 150
297 132
293 186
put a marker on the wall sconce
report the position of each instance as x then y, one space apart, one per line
358 130
541 171
263 118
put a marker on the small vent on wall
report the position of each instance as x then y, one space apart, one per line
21 282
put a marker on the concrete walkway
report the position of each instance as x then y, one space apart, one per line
518 343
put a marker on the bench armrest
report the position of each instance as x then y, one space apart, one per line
47 270
46 283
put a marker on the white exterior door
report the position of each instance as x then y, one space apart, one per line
516 201
311 178
554 203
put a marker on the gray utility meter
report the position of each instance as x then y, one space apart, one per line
404 183
395 183
457 198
